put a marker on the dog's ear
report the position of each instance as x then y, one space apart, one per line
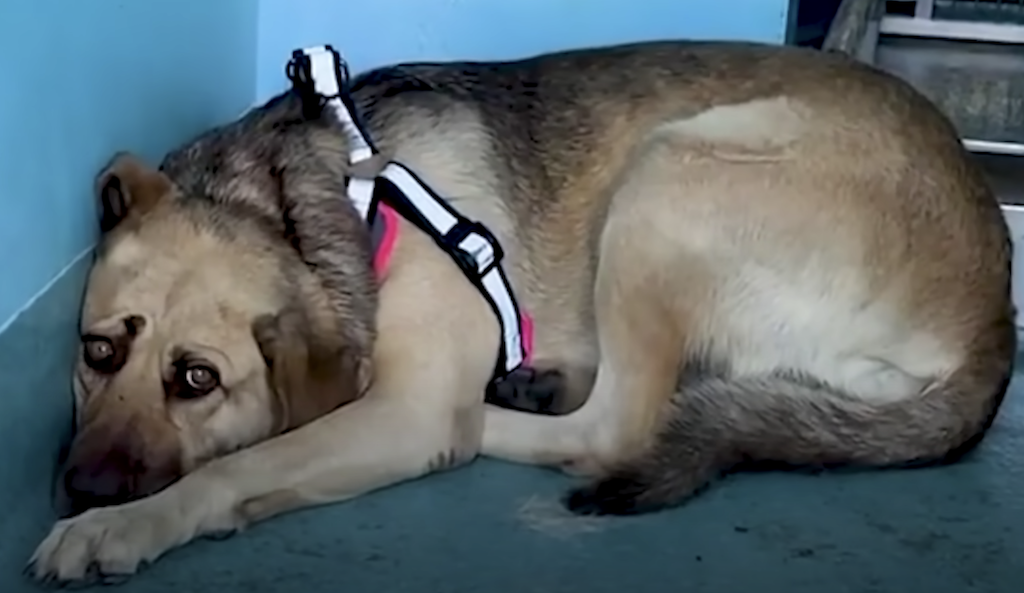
310 374
127 185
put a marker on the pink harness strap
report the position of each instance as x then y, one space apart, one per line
386 243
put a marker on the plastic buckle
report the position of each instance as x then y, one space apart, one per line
467 261
300 72
340 70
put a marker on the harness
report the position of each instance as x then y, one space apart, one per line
321 78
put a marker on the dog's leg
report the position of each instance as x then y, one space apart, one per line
641 338
380 440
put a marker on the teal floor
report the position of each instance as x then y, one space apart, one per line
494 527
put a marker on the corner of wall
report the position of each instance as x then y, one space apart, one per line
192 65
38 349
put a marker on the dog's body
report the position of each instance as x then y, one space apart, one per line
794 243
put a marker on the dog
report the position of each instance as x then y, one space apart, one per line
731 253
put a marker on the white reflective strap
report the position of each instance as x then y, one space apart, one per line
324 71
360 192
501 295
421 199
428 205
359 149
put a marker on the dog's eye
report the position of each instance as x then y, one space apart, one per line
199 379
100 354
98 349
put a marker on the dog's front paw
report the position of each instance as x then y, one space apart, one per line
103 544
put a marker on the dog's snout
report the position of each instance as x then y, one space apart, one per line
114 475
105 477
103 480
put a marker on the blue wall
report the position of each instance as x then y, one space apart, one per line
82 79
378 32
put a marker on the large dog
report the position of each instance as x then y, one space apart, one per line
731 253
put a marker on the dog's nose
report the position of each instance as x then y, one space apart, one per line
103 482
114 477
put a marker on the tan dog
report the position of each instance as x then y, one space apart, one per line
732 253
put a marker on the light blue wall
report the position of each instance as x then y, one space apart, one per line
80 79
377 32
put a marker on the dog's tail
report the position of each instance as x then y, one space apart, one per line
719 425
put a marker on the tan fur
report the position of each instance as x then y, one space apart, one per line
767 209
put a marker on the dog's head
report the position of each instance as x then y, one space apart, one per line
203 331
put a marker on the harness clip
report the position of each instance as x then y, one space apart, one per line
475 248
318 71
